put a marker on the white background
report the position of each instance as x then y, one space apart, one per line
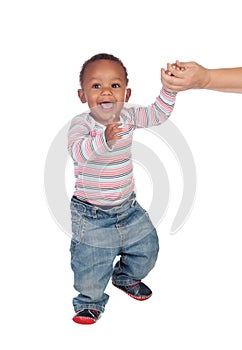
197 280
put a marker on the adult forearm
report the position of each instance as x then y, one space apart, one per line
225 79
182 76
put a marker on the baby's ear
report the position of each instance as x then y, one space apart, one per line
127 95
82 96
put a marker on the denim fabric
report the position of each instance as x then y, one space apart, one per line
99 236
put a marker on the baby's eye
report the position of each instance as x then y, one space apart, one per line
96 86
115 85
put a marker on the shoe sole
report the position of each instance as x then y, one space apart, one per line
134 296
83 320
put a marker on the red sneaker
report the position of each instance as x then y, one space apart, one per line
138 291
86 316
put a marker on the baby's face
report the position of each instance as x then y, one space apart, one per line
104 89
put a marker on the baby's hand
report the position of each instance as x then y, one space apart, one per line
111 133
172 68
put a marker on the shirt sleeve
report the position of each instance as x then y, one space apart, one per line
157 113
85 143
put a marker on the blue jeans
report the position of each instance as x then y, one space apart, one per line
98 237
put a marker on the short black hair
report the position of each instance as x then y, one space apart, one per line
102 56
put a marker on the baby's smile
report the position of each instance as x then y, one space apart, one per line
107 105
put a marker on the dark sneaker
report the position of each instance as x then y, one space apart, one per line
138 291
86 316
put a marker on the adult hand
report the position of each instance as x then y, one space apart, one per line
182 76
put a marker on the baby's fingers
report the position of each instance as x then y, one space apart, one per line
175 70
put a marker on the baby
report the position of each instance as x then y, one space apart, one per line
107 220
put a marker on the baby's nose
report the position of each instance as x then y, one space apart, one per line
106 91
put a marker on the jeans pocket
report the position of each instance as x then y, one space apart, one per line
77 226
148 217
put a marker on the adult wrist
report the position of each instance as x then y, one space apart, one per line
206 79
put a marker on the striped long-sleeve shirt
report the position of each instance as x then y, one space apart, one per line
104 175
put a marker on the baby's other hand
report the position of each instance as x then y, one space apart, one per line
112 133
